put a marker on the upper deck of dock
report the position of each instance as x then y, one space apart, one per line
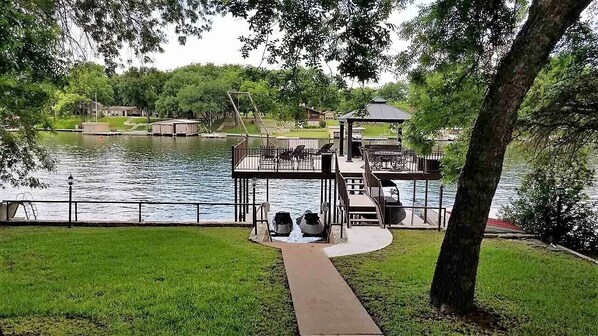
313 163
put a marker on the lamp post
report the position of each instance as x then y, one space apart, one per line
559 204
70 181
253 184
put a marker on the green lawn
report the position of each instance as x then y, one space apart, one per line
141 281
531 290
377 130
309 133
117 123
252 128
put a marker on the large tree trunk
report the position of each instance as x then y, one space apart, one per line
455 276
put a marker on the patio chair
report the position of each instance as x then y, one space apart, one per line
267 157
325 148
290 156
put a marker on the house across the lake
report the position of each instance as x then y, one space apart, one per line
176 127
122 111
314 116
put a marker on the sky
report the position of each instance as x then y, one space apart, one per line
221 46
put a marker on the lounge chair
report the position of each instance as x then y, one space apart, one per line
326 148
267 157
290 156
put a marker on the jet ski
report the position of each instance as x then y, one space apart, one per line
310 224
282 224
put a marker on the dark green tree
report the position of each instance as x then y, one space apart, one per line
140 87
394 92
551 203
29 69
475 33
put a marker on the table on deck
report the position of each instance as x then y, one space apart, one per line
381 159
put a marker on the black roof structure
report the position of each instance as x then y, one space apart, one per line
377 111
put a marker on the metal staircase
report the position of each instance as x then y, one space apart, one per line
357 206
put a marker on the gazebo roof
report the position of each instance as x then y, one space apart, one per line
377 111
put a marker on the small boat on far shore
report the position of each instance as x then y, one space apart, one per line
213 135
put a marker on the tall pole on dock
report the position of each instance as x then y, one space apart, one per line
96 103
253 183
70 181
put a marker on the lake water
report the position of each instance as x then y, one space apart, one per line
139 168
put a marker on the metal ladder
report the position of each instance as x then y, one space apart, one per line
29 207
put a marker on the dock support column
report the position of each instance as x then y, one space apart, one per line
400 135
426 204
440 207
329 201
350 141
413 202
236 203
335 216
341 138
246 201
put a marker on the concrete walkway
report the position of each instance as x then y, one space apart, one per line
324 304
361 239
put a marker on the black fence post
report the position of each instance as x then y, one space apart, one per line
76 211
253 182
197 212
440 206
139 219
70 182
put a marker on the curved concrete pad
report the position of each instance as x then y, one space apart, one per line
361 239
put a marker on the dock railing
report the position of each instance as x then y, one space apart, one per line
278 159
239 151
394 158
374 189
343 197
73 212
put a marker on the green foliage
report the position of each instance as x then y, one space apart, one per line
526 289
139 87
553 183
131 281
90 81
394 92
561 110
355 99
29 66
444 100
198 90
68 103
322 123
473 33
356 34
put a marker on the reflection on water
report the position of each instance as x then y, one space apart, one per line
130 168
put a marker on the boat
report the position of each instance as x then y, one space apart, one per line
394 214
310 224
213 135
282 224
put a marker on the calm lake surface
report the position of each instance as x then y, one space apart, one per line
193 169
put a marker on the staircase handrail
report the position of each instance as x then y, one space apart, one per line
371 181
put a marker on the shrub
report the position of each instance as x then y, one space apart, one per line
551 204
322 123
